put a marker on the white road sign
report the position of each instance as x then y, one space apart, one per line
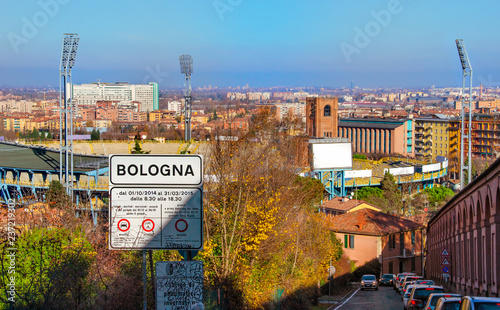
147 169
156 218
179 285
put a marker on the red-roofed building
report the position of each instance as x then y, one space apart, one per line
367 234
341 205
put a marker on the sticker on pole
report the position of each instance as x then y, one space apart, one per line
156 218
179 285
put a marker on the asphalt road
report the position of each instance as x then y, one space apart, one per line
385 298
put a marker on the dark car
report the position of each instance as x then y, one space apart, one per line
420 294
387 279
480 303
369 281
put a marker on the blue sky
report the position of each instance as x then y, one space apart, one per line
387 43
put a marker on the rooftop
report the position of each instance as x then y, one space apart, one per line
370 222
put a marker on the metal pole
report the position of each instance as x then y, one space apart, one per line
144 280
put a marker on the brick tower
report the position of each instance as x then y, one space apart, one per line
322 119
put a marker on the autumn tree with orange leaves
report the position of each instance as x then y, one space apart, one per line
262 231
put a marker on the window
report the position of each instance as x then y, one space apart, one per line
327 110
391 267
392 241
412 237
413 264
349 241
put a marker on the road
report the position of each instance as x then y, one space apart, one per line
385 298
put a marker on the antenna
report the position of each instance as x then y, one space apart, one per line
68 56
466 71
186 63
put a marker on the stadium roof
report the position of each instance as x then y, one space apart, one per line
44 159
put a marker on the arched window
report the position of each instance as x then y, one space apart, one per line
328 110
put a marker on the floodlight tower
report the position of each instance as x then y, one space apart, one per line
466 71
68 56
186 62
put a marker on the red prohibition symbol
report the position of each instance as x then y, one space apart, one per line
123 225
148 225
180 229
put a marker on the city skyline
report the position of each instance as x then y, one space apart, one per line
236 42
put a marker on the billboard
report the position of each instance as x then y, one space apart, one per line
330 155
432 167
358 174
400 171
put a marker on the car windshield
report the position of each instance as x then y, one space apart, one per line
454 305
368 278
387 276
486 305
425 292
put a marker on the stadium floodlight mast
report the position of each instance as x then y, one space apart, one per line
186 62
68 56
466 71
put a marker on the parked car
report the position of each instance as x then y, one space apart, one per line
400 278
369 281
448 303
405 288
396 281
386 279
480 303
433 299
410 278
425 282
420 294
406 295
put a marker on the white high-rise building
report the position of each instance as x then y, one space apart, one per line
176 106
146 94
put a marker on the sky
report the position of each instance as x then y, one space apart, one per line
263 43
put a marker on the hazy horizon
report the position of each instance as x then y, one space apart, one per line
375 44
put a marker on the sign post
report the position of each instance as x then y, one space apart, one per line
445 263
156 202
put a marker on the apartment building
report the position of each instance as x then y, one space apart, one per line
90 94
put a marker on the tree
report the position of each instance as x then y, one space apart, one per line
137 149
56 196
49 135
367 193
261 229
95 135
392 195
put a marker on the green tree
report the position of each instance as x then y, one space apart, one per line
95 135
49 135
56 196
367 193
137 149
391 194
52 266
